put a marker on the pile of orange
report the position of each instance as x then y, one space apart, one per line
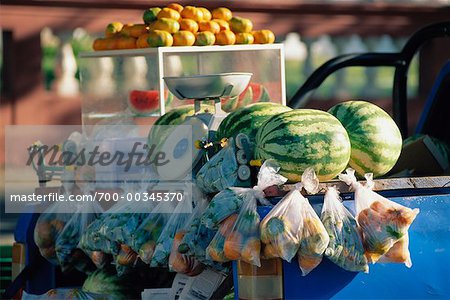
176 25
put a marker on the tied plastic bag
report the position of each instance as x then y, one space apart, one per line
383 222
144 239
49 227
229 201
66 245
345 248
181 261
220 172
281 226
243 242
215 250
399 252
176 221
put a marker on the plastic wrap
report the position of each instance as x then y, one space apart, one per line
215 250
220 172
345 248
176 222
382 221
313 238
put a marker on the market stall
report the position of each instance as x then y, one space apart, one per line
267 201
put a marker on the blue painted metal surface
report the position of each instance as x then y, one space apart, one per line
428 278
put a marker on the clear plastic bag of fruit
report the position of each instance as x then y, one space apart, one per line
229 201
280 228
177 221
383 222
220 172
314 238
215 250
66 245
345 248
144 239
243 242
184 261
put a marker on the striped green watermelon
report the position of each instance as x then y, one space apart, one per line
375 138
303 138
248 119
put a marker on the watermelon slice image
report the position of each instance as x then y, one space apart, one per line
146 102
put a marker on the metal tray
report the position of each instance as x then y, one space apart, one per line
211 86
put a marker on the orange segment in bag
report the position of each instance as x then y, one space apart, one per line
251 250
238 24
189 25
222 13
227 225
233 246
193 13
209 26
183 38
205 38
225 37
169 13
112 29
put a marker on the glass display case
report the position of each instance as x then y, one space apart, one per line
129 84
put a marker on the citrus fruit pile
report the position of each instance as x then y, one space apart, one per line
176 25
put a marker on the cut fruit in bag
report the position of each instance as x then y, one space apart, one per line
345 248
220 172
229 201
182 263
281 226
177 221
399 253
243 242
382 221
215 250
313 236
66 246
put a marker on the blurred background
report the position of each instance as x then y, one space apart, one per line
37 36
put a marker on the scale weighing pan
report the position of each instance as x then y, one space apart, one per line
210 86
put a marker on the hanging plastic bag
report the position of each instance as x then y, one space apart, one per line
345 248
49 227
399 253
383 222
314 239
243 242
281 226
215 250
67 241
182 262
144 239
220 172
176 221
229 201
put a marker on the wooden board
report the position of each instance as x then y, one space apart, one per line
388 184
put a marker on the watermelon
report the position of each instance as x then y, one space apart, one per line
248 119
146 102
303 138
253 93
375 138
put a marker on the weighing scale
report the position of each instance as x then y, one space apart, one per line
182 152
